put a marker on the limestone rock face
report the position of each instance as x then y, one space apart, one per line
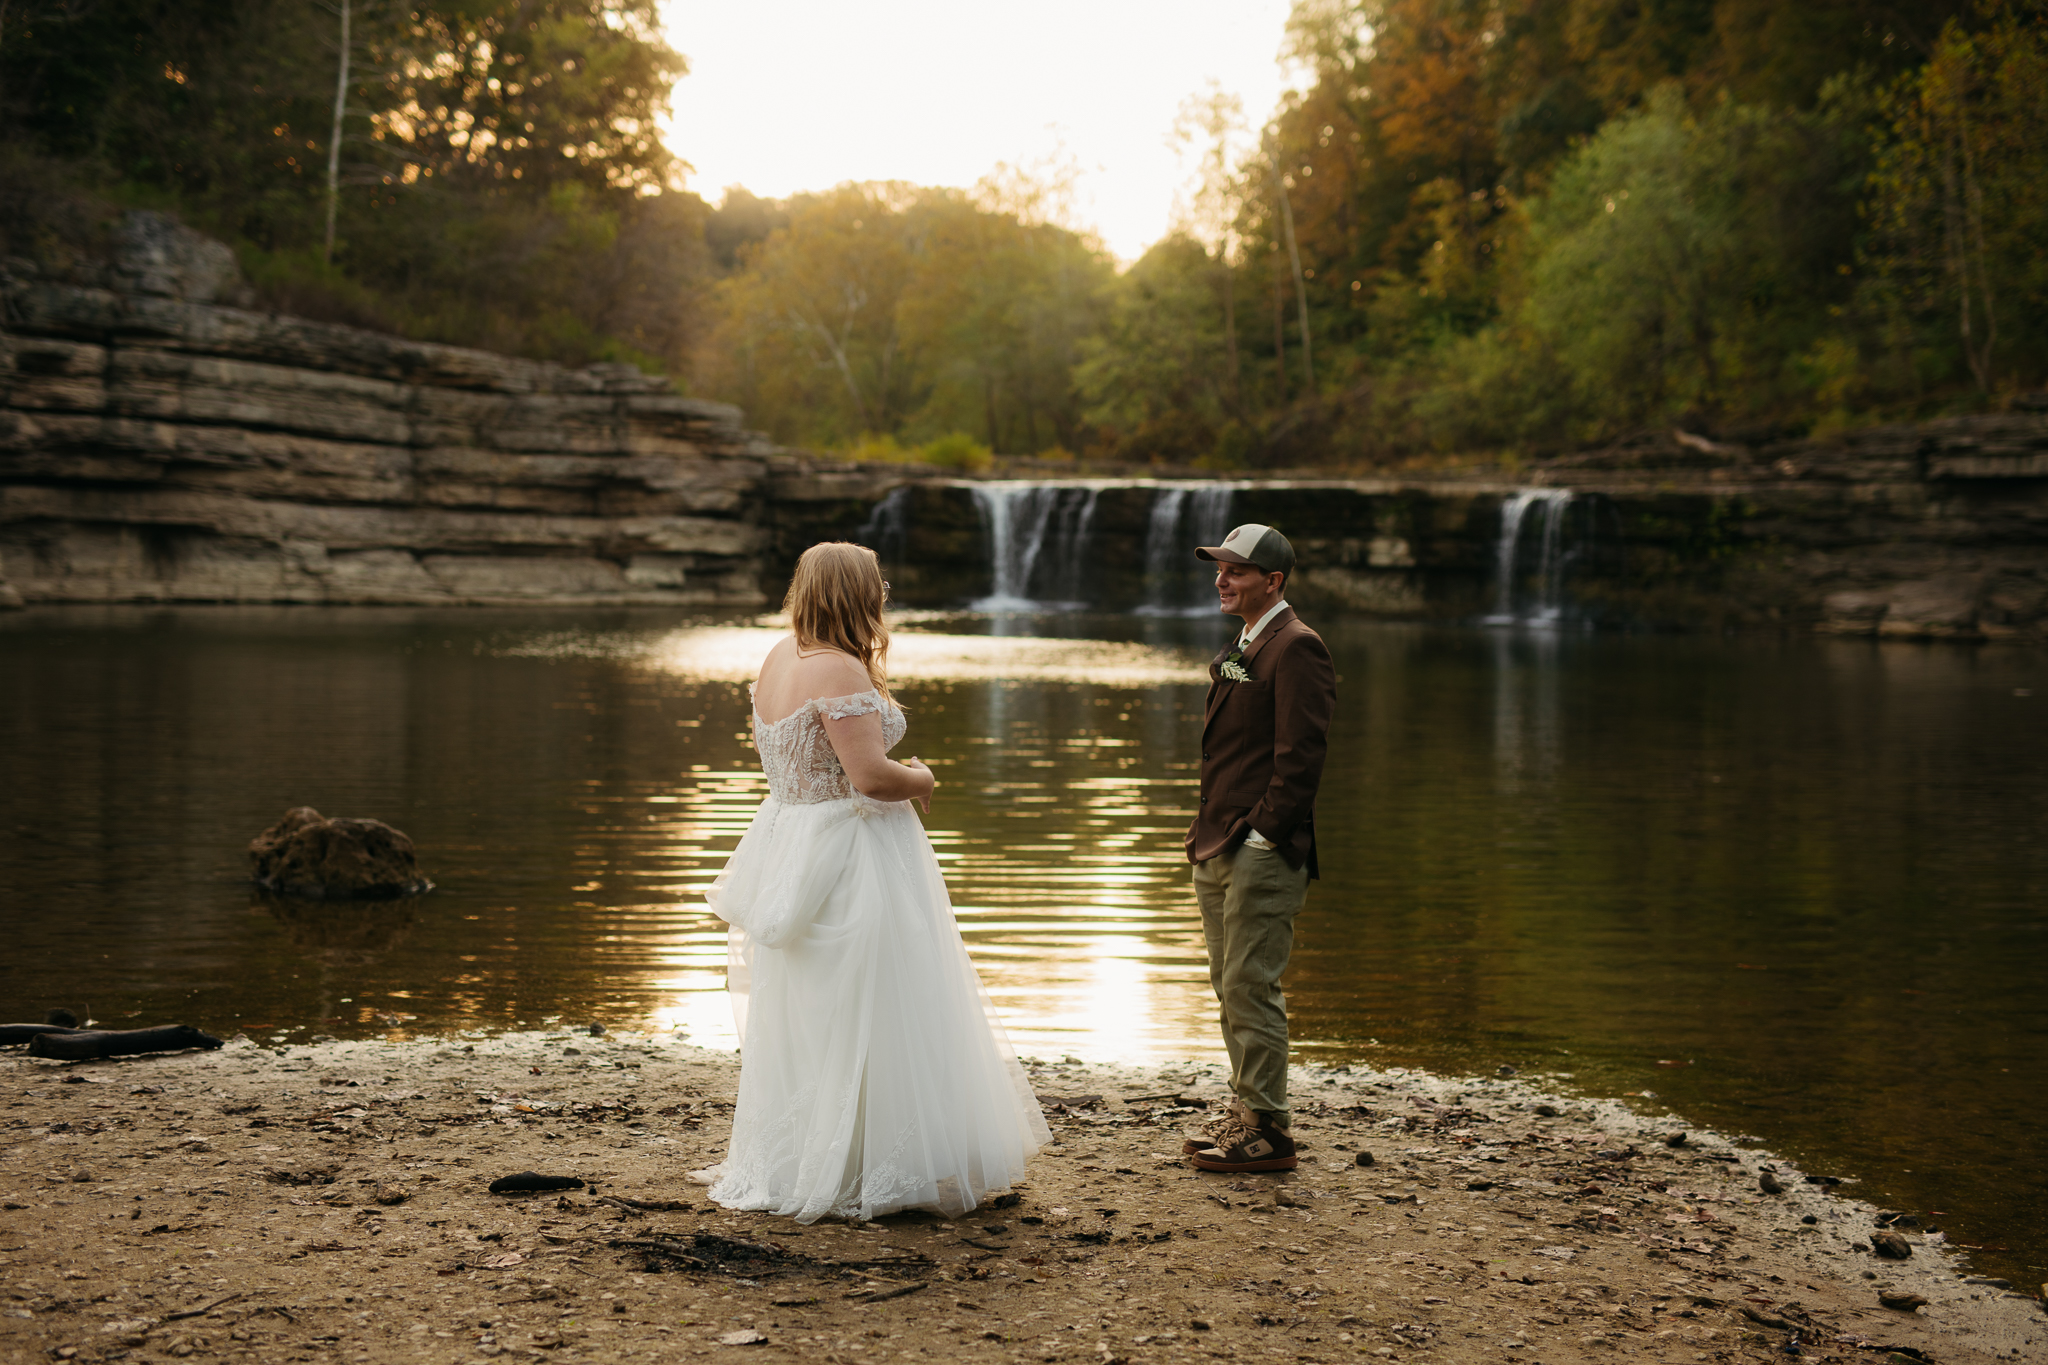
309 856
159 443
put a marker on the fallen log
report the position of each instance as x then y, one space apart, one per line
14 1034
529 1182
85 1045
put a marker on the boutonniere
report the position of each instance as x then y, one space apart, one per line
1233 665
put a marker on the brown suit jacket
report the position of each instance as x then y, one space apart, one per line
1263 744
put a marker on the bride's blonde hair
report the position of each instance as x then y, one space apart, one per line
835 602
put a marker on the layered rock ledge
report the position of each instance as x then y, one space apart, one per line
158 445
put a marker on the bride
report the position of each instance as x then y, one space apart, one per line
874 1075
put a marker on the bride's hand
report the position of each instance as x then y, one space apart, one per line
924 803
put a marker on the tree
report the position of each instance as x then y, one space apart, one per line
475 171
1156 377
812 323
1679 262
1212 125
532 92
1960 192
890 310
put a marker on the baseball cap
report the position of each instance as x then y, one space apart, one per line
1262 547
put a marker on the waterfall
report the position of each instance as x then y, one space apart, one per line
1016 516
1183 516
887 529
1162 539
1070 571
1040 539
1551 558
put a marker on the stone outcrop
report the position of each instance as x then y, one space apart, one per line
156 255
159 444
315 858
1930 531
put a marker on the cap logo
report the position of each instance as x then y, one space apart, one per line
1244 539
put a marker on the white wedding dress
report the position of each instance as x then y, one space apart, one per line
874 1074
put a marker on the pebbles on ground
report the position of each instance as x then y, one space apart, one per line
261 1204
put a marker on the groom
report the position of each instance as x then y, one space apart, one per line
1253 842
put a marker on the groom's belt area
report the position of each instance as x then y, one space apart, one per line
1247 797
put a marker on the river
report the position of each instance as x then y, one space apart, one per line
1793 889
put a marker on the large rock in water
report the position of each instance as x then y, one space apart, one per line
306 854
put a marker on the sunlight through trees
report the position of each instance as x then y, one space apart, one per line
1477 225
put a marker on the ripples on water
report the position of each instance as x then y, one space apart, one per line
1064 859
1791 888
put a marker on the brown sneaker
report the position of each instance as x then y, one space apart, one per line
1255 1146
1205 1137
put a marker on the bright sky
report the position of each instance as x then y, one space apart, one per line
788 95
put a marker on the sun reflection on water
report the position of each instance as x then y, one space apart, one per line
1533 843
733 654
1060 842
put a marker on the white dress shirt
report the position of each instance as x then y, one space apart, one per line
1251 632
1244 640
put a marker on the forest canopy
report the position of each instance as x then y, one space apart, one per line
1478 225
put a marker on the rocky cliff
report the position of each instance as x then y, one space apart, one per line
159 444
1935 530
1931 530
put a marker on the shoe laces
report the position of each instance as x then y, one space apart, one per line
1234 1129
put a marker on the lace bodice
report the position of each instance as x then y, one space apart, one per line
797 757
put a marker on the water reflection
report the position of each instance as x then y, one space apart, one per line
1525 709
340 933
1813 871
1012 650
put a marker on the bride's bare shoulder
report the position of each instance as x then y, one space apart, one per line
829 673
777 663
791 676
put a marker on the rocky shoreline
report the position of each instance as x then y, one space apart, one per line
329 1202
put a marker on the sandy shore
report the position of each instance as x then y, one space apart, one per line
329 1203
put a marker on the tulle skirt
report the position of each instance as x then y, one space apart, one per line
874 1075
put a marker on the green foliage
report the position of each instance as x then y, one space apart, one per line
541 91
910 313
1959 198
871 448
1448 173
957 450
1520 224
501 182
1680 262
1158 378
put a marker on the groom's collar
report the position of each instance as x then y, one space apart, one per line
1269 626
1249 635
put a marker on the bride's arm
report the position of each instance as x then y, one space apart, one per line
857 739
858 742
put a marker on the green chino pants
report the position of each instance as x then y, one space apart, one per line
1249 898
